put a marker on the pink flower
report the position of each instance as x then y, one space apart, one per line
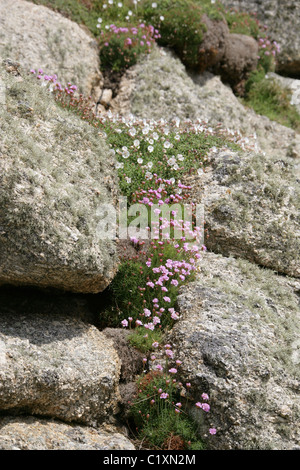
205 407
173 371
124 323
205 396
212 431
147 312
164 395
167 299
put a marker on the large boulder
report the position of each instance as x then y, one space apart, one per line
174 93
38 37
55 174
252 208
238 340
239 59
283 21
54 364
31 433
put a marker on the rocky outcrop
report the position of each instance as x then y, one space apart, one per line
38 37
238 340
55 174
29 433
252 207
57 366
159 86
283 22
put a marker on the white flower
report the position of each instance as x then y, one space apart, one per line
161 18
119 165
140 160
180 157
132 132
120 5
155 136
129 13
172 161
145 130
148 175
150 165
100 20
150 149
154 5
136 143
104 6
128 179
167 144
111 2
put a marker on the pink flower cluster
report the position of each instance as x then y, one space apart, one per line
268 47
140 35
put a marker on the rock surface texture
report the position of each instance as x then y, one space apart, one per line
57 366
37 37
159 87
283 21
55 174
239 341
252 207
28 433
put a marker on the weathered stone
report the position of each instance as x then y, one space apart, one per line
55 173
283 21
212 48
238 340
239 59
55 365
159 87
38 37
29 433
252 207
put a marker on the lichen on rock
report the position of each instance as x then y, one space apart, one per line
239 342
56 171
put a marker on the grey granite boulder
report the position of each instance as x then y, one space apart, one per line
30 433
239 342
38 37
252 208
55 175
56 366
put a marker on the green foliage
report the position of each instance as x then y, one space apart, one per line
143 342
267 97
243 23
79 11
181 27
160 421
120 47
